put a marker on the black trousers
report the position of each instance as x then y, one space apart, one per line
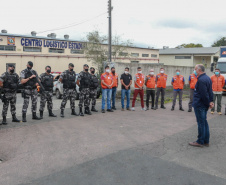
152 94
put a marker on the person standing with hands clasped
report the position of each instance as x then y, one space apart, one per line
126 81
203 100
139 88
218 82
178 85
161 79
106 83
150 84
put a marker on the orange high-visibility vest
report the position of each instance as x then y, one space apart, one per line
115 79
217 83
193 81
139 80
150 81
161 82
107 80
178 82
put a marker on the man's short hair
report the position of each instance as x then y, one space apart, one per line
217 69
47 67
127 68
112 68
106 67
71 65
92 68
161 68
201 67
178 70
139 68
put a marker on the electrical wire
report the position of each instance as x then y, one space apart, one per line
72 24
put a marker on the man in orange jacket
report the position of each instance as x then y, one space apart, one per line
106 84
139 88
114 87
192 81
161 79
218 82
150 84
178 85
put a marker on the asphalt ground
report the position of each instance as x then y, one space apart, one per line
125 148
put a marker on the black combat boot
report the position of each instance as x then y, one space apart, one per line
34 116
62 113
24 117
51 114
41 114
73 112
87 111
93 109
15 118
4 120
80 112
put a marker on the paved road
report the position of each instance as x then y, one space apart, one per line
124 148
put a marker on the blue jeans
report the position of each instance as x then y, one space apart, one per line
203 127
114 90
106 94
127 93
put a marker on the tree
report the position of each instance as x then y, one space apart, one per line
191 45
96 49
120 47
220 42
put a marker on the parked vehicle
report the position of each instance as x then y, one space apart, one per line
58 89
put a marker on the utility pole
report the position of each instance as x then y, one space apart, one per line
109 30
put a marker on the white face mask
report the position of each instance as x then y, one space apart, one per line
151 73
126 72
161 71
107 70
139 71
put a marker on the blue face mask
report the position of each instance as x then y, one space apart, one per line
216 73
178 73
195 72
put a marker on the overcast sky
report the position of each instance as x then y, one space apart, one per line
154 23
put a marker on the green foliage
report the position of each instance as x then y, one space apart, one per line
96 49
220 42
191 45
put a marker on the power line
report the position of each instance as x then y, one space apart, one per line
72 24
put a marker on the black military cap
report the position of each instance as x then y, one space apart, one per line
11 65
72 65
30 63
85 65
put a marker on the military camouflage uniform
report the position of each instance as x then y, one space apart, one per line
68 93
93 91
29 91
47 95
9 93
84 78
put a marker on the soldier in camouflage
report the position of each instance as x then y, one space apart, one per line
29 81
83 82
46 80
68 78
9 82
93 89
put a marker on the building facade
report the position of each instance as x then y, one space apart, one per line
58 53
189 56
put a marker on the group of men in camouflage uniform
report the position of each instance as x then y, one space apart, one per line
87 82
9 81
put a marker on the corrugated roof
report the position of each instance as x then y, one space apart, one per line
189 51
